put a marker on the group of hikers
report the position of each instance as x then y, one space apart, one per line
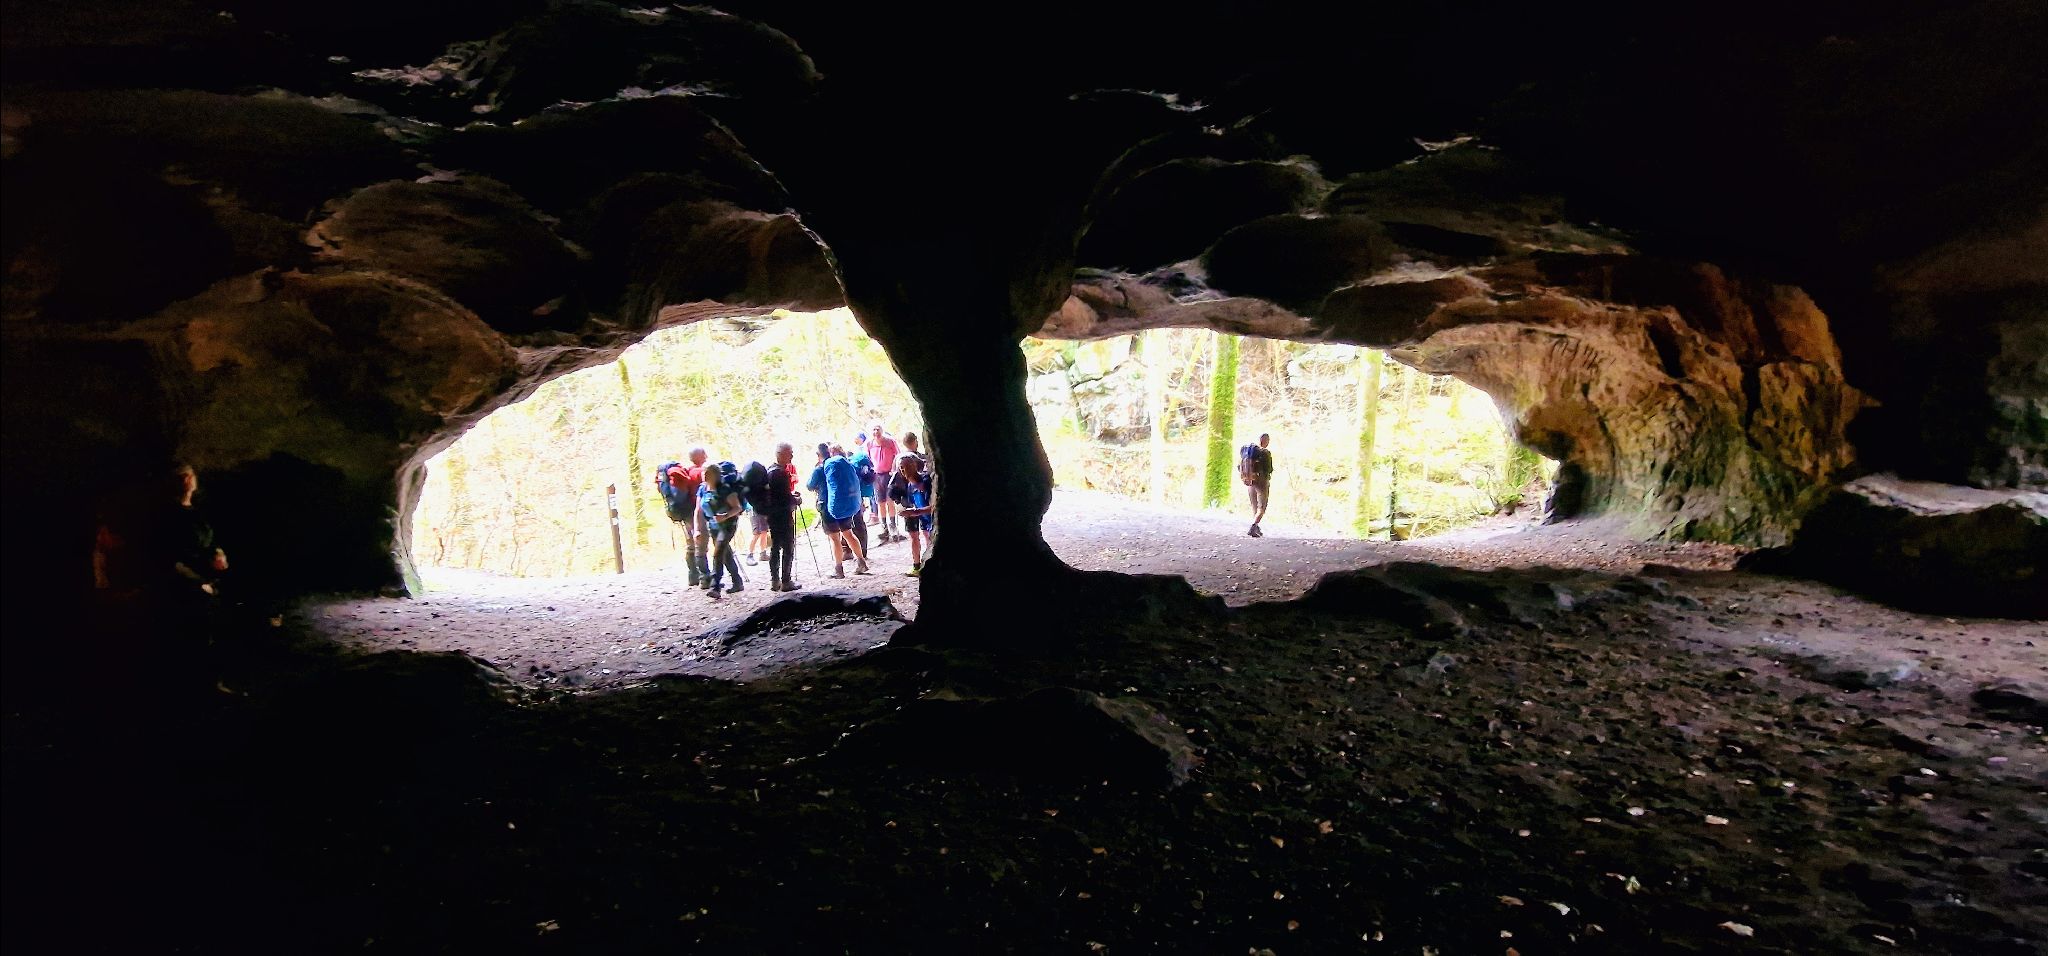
883 483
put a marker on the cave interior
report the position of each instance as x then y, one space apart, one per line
1756 275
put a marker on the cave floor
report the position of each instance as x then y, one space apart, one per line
1670 761
604 632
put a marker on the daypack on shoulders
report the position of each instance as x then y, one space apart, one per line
754 487
661 482
1248 464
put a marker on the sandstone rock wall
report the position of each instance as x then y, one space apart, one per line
305 244
307 297
1695 405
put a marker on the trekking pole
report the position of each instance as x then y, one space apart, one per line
816 568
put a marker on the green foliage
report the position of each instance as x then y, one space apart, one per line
1221 466
1443 435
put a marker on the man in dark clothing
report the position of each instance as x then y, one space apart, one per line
157 566
782 500
1258 479
175 560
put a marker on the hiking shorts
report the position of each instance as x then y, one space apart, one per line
835 525
1259 490
759 522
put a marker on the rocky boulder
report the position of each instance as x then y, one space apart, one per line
806 606
1926 546
2025 701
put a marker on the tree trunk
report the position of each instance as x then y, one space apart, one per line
1364 507
1222 422
1154 345
458 499
636 501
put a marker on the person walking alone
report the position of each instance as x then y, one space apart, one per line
1255 469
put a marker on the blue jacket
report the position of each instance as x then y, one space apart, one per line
842 488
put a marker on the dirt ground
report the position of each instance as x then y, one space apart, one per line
594 633
1576 746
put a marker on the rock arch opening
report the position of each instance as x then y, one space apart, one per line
1159 418
523 493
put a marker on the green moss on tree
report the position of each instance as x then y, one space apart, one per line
1364 506
636 497
1216 476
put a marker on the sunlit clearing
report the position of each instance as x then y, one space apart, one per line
523 493
1439 453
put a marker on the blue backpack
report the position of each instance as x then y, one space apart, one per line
728 483
672 497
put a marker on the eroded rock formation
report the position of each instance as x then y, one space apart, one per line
307 247
1694 404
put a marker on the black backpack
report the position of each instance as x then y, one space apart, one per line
754 487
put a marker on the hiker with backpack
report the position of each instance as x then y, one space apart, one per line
678 484
778 503
911 491
720 502
864 472
837 487
754 480
1255 469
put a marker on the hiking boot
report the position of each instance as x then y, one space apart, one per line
838 572
789 585
704 584
915 570
863 569
717 594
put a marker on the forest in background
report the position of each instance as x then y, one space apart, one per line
523 493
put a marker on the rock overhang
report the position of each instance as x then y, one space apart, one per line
1266 192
